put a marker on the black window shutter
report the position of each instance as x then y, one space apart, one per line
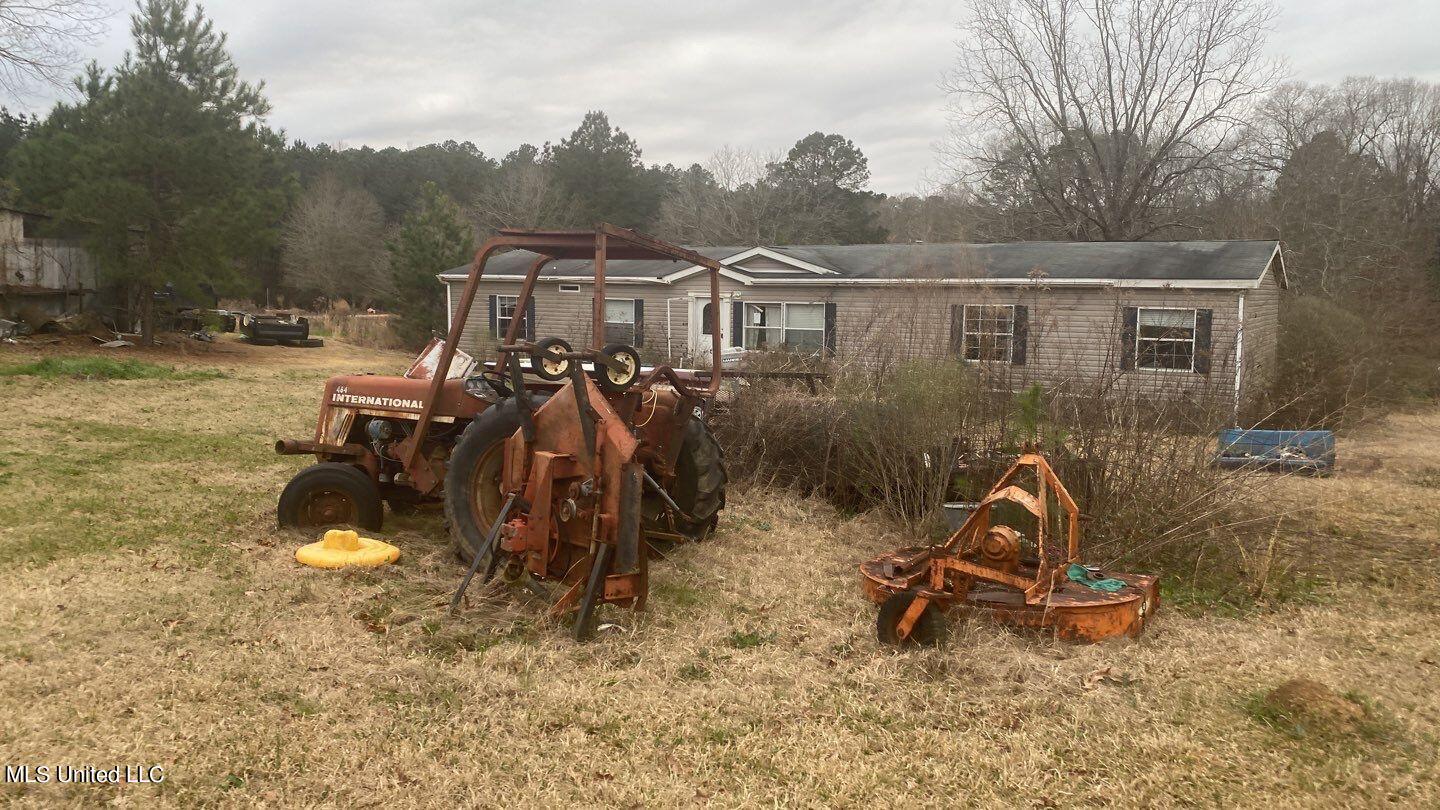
1202 340
830 329
494 328
737 323
957 329
1127 337
639 323
530 319
1020 342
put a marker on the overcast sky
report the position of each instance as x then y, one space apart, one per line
683 78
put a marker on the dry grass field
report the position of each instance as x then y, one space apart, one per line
151 614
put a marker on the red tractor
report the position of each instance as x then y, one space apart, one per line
561 463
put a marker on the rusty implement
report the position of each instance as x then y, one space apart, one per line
1027 575
581 481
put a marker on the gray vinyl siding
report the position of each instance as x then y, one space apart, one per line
1073 337
568 314
1262 331
1074 333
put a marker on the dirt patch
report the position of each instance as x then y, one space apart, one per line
1311 705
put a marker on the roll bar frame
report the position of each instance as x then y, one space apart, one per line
604 242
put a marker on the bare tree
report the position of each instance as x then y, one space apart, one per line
524 194
1102 111
729 201
334 242
1354 171
40 39
943 214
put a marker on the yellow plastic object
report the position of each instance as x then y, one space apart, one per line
341 548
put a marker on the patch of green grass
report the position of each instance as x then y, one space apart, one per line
444 699
679 594
1374 730
1260 710
693 672
103 486
298 705
231 782
748 639
1222 595
719 736
104 368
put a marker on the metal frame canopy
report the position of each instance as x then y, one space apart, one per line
604 242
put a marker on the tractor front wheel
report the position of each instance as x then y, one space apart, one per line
330 494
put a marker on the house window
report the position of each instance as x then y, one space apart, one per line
620 320
504 314
798 327
707 319
1165 339
989 332
569 288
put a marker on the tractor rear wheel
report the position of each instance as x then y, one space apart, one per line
700 478
473 485
330 494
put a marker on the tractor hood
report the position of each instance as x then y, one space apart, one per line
391 397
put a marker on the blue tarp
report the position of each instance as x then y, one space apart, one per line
1299 450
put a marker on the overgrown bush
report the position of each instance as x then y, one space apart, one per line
907 439
1340 362
340 320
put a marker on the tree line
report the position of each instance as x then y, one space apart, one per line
1148 119
169 167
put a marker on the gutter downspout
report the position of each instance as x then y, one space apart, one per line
1239 359
670 327
449 309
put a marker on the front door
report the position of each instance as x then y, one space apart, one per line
702 320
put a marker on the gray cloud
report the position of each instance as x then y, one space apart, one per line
682 78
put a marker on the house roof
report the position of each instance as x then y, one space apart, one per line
1213 263
517 262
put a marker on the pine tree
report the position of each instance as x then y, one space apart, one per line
165 162
432 239
825 177
599 168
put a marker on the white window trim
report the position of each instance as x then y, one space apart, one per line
964 333
743 274
569 288
632 320
1194 343
784 319
632 323
500 298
